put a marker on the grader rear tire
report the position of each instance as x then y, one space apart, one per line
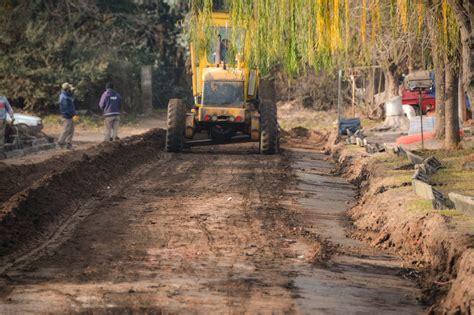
269 142
176 125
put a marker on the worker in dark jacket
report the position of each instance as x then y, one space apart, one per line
67 109
111 104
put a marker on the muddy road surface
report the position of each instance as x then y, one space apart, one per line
212 230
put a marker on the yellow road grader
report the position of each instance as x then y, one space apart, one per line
231 103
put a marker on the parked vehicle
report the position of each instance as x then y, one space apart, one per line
34 122
410 94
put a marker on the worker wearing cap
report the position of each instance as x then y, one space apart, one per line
111 104
66 107
4 109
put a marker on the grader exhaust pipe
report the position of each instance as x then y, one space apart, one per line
219 50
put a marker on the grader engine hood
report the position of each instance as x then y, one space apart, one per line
221 74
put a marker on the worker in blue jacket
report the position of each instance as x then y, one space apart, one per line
68 111
111 105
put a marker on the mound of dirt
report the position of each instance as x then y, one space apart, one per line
47 193
299 136
15 178
299 132
468 163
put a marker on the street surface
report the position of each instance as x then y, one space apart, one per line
213 230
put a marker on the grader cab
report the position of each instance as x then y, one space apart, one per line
231 103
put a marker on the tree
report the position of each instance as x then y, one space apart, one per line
295 34
393 44
464 13
87 43
452 138
435 28
452 63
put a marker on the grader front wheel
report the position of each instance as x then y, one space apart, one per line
176 125
269 142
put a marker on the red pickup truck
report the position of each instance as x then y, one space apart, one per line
411 97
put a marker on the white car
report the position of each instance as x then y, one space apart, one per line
32 121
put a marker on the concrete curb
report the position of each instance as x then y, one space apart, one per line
463 203
423 189
414 159
420 181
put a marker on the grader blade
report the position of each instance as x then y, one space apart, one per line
204 142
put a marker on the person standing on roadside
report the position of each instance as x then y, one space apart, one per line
5 108
111 104
68 111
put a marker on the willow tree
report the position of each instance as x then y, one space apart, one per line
395 34
320 33
292 33
328 33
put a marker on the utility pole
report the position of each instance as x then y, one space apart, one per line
339 99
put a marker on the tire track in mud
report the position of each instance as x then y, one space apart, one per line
36 213
64 231
219 271
198 232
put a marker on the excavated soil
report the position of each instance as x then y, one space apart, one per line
34 196
126 228
440 252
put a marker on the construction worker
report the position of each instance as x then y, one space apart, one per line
4 109
68 111
111 104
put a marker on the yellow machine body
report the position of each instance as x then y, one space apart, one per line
207 72
228 104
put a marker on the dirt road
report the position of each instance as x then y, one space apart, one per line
213 230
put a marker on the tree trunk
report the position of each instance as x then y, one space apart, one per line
438 71
461 100
147 90
440 96
464 11
370 91
452 139
391 82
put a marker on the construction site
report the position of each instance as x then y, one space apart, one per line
265 162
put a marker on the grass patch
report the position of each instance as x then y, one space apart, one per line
420 205
369 123
452 177
91 121
290 117
445 154
51 120
354 148
399 177
130 119
450 213
160 110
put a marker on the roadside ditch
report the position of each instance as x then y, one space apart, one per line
439 245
